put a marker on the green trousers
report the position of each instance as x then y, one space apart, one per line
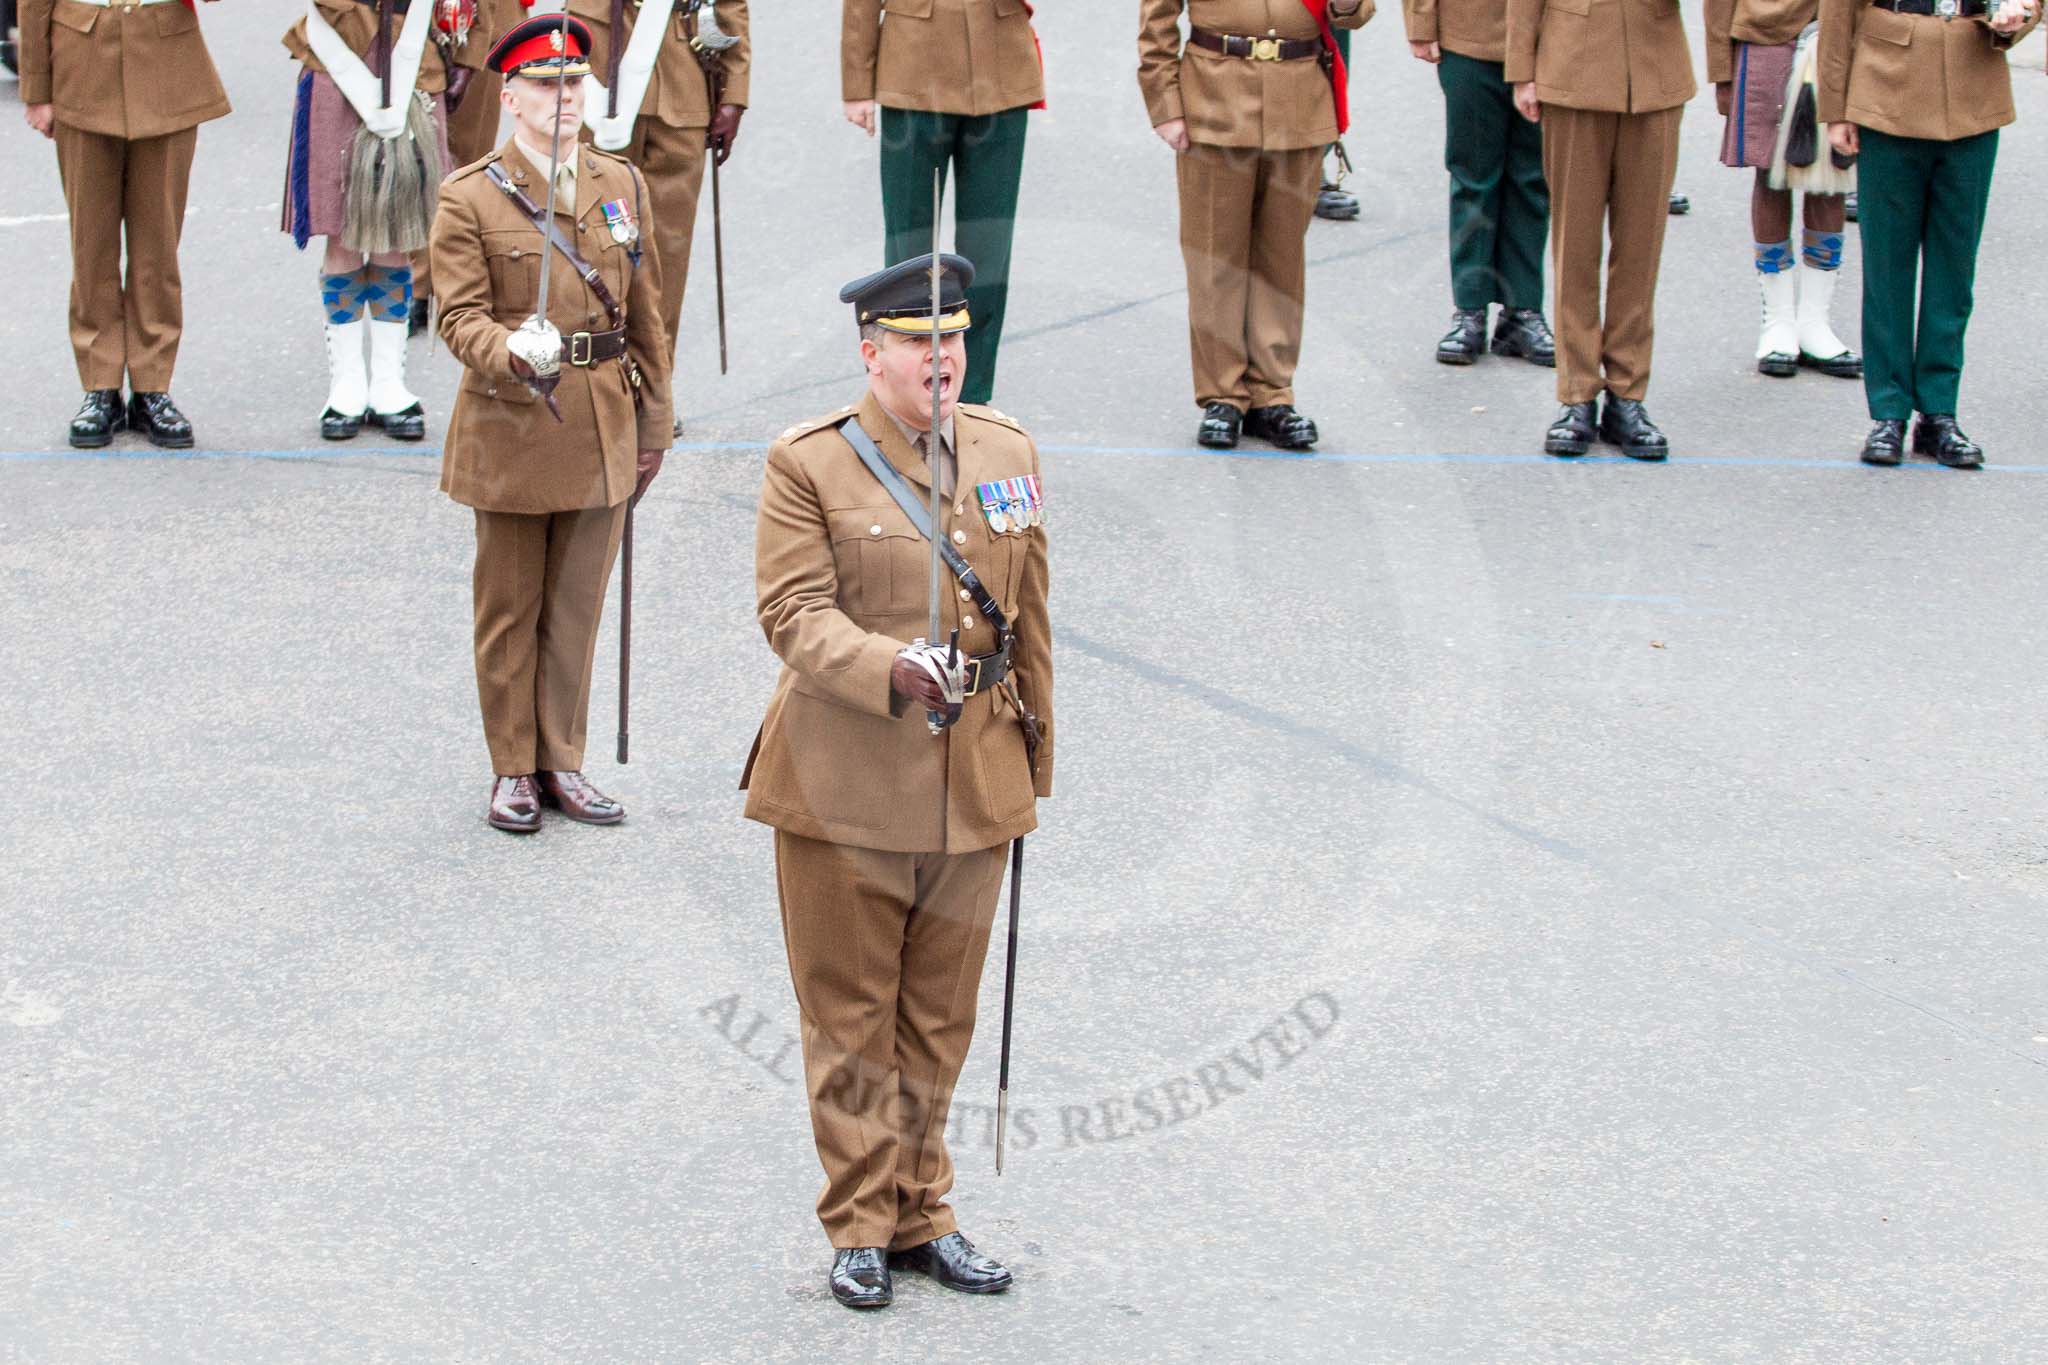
1500 202
1922 217
987 152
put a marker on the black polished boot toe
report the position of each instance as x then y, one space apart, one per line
1572 431
1886 443
340 426
417 319
1624 422
860 1278
1525 332
98 418
158 418
1338 206
410 425
1466 339
953 1262
1937 434
1279 424
1220 424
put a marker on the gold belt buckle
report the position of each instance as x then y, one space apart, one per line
580 348
1265 49
974 687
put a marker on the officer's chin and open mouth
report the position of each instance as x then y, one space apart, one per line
945 384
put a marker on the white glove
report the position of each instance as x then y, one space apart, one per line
539 345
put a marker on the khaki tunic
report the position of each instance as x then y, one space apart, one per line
942 56
1914 75
1767 23
1618 56
1470 28
676 92
356 25
842 577
130 74
505 452
1233 101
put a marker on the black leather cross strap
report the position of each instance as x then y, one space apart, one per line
1947 9
588 272
984 670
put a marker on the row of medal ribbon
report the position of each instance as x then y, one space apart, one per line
1012 504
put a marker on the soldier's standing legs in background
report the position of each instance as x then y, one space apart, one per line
672 159
985 155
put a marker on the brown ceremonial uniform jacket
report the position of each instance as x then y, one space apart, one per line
356 23
676 93
120 73
1764 22
941 56
1913 75
505 451
1235 101
842 576
1470 28
1614 56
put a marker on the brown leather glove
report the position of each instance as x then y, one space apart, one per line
458 86
725 130
649 466
1724 96
909 681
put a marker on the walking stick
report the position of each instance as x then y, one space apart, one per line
626 627
1009 998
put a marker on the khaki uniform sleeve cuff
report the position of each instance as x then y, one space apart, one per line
1164 106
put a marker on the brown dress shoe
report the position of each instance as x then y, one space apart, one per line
572 794
515 805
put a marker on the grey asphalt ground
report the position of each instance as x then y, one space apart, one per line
1493 910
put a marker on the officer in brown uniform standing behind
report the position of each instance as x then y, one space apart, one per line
889 835
1249 104
550 494
1609 80
122 89
674 127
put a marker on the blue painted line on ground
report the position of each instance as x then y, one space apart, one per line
1162 452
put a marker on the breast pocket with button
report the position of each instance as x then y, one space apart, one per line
512 256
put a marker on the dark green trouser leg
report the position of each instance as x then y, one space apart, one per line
989 154
1957 192
1892 177
1500 203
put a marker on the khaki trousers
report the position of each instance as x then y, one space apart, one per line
1244 216
885 951
540 583
672 160
126 324
1610 175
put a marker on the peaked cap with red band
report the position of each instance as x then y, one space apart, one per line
547 45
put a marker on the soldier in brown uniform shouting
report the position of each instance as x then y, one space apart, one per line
550 492
1248 104
1608 79
666 123
122 89
890 830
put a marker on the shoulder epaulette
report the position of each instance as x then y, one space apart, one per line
816 424
984 410
473 167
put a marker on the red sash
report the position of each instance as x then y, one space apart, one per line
1028 13
1339 87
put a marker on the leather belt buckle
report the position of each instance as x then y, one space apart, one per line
580 348
1268 49
974 686
1947 9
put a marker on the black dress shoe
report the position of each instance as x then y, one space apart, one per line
1466 339
860 1278
99 417
410 425
1886 443
1847 365
1339 206
158 418
416 320
1680 205
1849 206
1572 432
953 1262
340 426
1937 434
1220 425
1281 425
1624 423
1524 332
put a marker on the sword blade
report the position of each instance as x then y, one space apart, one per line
718 254
547 260
932 442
